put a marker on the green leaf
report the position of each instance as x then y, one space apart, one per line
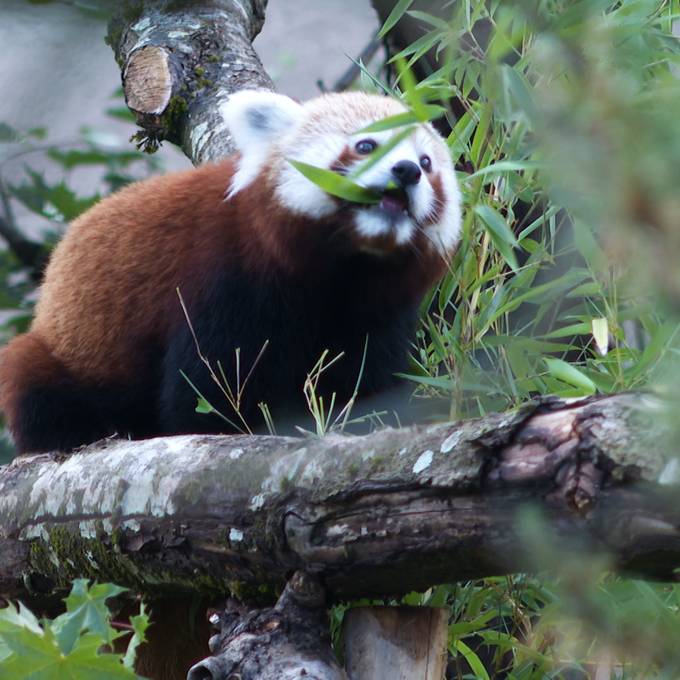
37 132
588 246
505 166
408 82
56 202
406 118
121 113
394 16
139 623
75 157
70 647
571 375
658 343
335 184
203 406
418 48
86 611
500 233
581 328
442 382
472 659
435 22
13 620
600 330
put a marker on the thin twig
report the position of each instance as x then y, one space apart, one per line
234 400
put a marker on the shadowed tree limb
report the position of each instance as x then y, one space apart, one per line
371 516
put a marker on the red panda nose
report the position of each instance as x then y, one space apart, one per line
406 173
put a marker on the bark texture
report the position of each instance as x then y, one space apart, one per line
286 642
180 60
377 515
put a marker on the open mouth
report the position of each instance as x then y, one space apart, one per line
395 202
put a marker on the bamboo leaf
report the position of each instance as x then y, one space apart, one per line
600 331
571 375
406 118
335 184
394 16
505 166
473 660
500 233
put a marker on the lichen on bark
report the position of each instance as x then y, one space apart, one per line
179 60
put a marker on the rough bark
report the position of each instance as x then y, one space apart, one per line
377 515
286 642
179 60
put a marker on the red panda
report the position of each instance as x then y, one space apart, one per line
279 261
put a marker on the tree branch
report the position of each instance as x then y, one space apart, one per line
180 60
377 515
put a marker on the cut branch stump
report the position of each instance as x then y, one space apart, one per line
180 63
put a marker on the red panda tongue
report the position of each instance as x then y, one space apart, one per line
394 202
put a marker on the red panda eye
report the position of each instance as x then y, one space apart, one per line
366 146
426 163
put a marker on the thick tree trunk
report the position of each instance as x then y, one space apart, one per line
378 515
180 60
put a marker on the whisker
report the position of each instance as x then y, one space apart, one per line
433 243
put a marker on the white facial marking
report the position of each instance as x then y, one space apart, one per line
369 223
269 129
423 201
405 232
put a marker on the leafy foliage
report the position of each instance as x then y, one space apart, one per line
554 96
76 645
566 141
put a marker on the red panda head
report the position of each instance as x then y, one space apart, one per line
269 129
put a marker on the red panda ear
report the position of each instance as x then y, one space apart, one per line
257 118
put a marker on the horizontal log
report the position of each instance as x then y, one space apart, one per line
382 514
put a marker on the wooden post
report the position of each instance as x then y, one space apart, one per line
396 643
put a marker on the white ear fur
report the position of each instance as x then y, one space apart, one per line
256 120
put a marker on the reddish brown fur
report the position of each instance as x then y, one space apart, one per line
120 263
24 362
345 160
110 288
436 214
114 276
